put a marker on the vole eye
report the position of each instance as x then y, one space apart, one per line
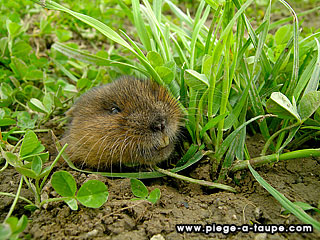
115 110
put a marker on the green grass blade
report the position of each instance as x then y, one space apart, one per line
235 17
157 8
286 203
209 41
101 27
288 19
90 58
292 133
226 143
65 71
192 159
258 109
232 118
254 38
140 26
177 11
157 31
226 85
212 123
144 60
262 38
304 78
315 78
276 67
295 70
198 25
182 55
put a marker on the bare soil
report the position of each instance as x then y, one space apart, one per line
180 203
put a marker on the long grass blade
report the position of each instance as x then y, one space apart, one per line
315 78
92 59
286 203
140 26
226 143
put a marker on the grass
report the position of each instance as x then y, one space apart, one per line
230 76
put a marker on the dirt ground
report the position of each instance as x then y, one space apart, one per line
180 203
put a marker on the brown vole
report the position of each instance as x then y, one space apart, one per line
128 121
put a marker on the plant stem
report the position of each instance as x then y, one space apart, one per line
4 167
275 158
14 195
52 165
266 146
15 199
196 181
54 200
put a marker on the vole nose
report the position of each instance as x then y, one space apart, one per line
158 125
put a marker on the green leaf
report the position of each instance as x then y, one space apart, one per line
165 73
57 101
13 28
20 225
5 231
7 122
5 112
11 158
48 101
154 195
26 172
63 35
25 120
34 75
19 67
72 203
21 49
5 95
64 184
5 136
283 34
29 144
30 207
138 188
37 105
309 103
36 165
93 193
83 83
189 154
196 80
3 46
286 203
155 59
280 105
16 227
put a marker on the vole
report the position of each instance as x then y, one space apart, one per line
128 121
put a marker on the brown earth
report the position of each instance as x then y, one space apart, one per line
180 203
